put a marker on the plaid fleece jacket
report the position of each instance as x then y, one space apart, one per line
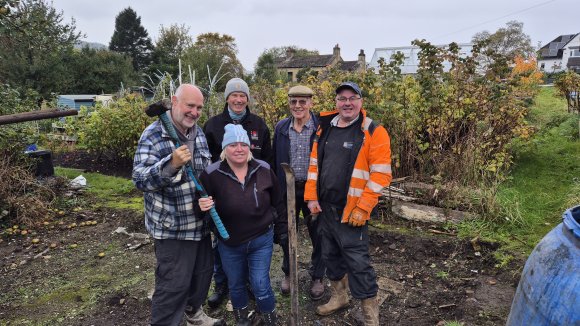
170 202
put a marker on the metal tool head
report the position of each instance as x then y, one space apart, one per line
158 107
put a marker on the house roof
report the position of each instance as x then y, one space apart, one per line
553 50
348 65
573 62
308 61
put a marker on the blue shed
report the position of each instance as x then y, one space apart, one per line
75 101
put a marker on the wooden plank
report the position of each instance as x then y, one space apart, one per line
293 243
36 115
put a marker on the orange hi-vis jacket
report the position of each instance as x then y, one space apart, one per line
371 171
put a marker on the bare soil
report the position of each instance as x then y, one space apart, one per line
91 162
424 278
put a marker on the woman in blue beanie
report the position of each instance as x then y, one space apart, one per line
249 201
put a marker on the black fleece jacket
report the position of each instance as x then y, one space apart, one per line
247 210
258 132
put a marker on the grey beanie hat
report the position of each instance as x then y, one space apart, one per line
237 85
235 134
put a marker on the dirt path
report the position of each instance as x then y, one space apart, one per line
424 279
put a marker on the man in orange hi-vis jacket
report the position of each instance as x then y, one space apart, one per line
350 164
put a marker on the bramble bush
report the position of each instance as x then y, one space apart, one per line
449 126
568 86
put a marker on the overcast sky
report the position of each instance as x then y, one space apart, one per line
319 25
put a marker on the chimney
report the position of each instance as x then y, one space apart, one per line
289 53
336 51
362 59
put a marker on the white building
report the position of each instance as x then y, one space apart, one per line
411 62
562 54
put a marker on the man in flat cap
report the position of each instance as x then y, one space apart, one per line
350 164
293 138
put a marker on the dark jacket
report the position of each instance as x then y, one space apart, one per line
281 145
370 163
246 210
258 133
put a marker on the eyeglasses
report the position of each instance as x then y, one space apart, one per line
351 99
301 102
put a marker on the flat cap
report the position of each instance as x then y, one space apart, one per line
300 90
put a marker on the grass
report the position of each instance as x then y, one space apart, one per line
453 323
111 191
543 183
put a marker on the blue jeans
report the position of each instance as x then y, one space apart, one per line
255 256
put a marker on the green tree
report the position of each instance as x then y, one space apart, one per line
218 53
282 51
265 67
131 38
169 48
35 46
509 41
100 71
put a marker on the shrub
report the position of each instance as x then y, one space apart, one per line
15 137
112 130
23 199
568 85
457 124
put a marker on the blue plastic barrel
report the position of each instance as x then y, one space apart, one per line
549 290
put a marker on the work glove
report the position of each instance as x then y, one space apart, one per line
358 217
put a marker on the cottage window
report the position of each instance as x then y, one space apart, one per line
575 52
290 75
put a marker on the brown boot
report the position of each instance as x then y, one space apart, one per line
370 310
338 298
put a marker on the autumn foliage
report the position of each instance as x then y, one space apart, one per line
568 85
453 125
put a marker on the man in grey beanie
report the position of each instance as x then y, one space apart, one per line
236 111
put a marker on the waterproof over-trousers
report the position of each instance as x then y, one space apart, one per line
345 250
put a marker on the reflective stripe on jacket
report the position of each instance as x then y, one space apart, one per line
372 168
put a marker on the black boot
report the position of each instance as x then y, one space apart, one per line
241 316
217 297
269 319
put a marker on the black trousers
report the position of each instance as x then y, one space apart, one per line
182 278
345 249
317 268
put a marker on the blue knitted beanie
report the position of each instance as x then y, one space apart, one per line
235 134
